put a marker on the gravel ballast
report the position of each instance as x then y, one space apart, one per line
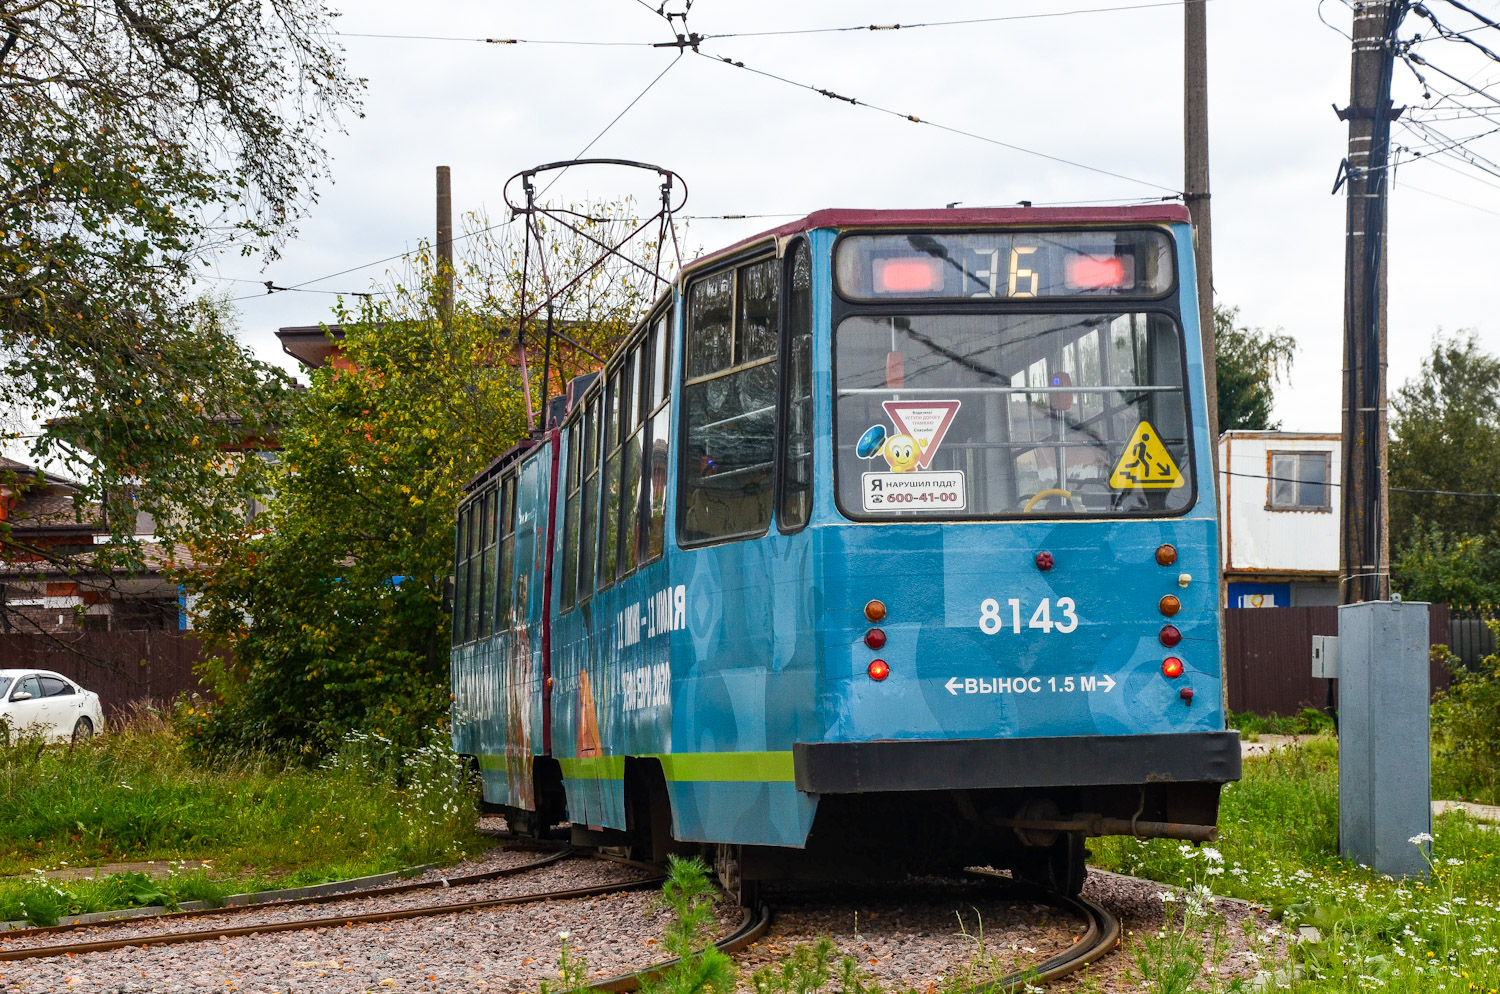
906 935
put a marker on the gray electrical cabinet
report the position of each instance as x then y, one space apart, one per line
1385 761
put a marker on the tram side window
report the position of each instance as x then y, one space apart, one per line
589 515
571 490
632 409
485 589
796 468
609 536
654 471
729 402
461 575
507 553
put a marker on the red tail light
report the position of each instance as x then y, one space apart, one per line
875 638
1170 635
878 670
1171 667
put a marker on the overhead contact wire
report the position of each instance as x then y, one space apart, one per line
855 102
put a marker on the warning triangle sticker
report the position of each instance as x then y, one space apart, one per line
1146 463
926 421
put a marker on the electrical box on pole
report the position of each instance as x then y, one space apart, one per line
1385 757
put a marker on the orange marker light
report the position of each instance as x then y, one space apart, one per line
879 670
1166 555
1171 667
1169 605
875 611
875 638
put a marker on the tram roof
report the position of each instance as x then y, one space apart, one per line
842 217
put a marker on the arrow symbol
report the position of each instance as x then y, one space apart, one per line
952 685
1107 682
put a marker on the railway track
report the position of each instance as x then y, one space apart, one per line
1101 935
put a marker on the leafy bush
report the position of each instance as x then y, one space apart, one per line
1466 729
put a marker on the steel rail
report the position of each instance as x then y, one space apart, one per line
1102 936
334 921
752 927
342 895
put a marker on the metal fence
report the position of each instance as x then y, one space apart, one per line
121 667
1469 635
1268 656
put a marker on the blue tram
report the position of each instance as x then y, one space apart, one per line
887 541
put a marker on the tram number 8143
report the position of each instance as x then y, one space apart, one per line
992 623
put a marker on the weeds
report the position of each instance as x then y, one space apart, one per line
1308 721
136 795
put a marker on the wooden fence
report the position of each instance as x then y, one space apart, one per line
1268 656
121 667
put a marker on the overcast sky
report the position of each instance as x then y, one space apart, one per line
1100 88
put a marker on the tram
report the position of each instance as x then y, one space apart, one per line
886 543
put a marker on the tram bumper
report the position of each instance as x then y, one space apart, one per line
895 765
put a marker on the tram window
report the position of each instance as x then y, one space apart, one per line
609 553
729 412
710 344
574 434
476 576
796 467
656 442
757 328
1020 414
461 575
507 553
630 503
589 512
486 586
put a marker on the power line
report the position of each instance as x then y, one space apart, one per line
941 127
934 24
497 41
1461 203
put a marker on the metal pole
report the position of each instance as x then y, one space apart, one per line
1195 194
445 238
1364 543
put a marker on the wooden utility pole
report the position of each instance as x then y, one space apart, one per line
1195 194
1364 540
445 237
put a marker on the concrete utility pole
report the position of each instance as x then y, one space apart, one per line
1364 541
1195 194
445 236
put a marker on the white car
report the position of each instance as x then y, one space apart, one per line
46 704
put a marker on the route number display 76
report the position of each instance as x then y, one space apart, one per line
991 621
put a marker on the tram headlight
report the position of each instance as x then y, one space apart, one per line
1169 605
878 670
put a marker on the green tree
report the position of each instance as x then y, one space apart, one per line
1250 362
1445 435
1445 568
138 138
329 606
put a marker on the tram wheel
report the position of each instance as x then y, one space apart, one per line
1061 866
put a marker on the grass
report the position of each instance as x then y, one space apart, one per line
1279 848
261 822
1308 721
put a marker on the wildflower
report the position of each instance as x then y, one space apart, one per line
1420 838
564 934
1165 896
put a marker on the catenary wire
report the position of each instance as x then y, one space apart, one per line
1451 200
939 24
852 101
1325 483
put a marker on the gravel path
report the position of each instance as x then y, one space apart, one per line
914 933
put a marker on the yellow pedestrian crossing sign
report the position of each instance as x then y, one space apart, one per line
1146 463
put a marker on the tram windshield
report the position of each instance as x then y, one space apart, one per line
1008 415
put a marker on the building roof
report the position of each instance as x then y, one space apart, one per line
312 345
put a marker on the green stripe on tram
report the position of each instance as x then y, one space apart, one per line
710 767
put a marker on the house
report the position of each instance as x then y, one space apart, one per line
1279 513
44 587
